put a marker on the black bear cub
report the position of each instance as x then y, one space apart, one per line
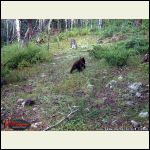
79 65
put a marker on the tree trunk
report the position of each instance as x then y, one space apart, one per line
100 22
71 24
18 29
91 23
49 27
40 25
7 31
30 28
86 23
66 26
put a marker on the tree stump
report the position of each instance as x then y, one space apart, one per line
73 44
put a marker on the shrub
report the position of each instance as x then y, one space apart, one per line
140 45
114 56
26 56
84 31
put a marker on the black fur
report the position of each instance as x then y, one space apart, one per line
79 65
29 102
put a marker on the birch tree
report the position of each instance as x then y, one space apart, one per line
18 29
71 24
66 26
100 22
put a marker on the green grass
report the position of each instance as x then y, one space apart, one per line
59 89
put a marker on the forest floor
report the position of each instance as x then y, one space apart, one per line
56 92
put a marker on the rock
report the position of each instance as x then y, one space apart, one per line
104 98
43 75
35 108
143 114
147 85
111 84
90 87
138 94
33 126
114 123
87 109
135 87
28 103
120 78
20 100
104 120
130 103
135 124
36 125
145 128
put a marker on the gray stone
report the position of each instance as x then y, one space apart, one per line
114 122
143 114
36 125
111 84
130 103
135 124
120 78
43 75
20 100
135 86
138 94
145 128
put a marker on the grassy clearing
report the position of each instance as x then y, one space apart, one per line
55 90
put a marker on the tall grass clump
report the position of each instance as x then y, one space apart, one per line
139 44
27 56
113 56
14 57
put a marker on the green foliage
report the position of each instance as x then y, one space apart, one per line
15 76
84 31
4 71
75 125
24 63
139 44
134 60
73 33
115 56
15 57
145 68
108 32
25 57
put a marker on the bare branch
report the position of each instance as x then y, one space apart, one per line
67 117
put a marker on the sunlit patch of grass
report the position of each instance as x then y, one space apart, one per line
71 84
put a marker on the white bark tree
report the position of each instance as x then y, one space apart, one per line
18 29
66 26
100 22
71 24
